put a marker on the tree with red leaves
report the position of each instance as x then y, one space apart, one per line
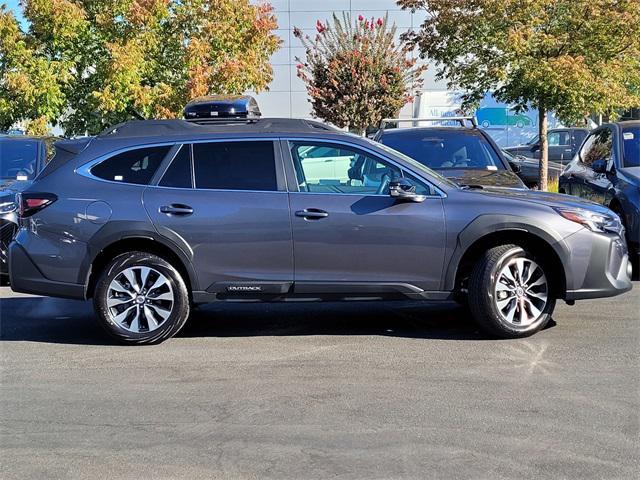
355 72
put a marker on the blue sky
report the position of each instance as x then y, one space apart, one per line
16 8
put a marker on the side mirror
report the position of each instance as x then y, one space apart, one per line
403 190
535 147
600 166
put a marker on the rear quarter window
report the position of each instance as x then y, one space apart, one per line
135 166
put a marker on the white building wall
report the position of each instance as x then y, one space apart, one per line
287 96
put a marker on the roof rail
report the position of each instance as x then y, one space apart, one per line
460 120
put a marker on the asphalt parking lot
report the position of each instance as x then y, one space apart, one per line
345 391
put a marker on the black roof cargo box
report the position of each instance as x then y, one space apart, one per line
222 107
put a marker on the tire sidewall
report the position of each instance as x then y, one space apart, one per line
170 326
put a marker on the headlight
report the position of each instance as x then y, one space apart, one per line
596 222
8 207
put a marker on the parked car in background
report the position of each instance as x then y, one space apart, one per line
468 156
21 159
563 145
528 169
606 170
151 217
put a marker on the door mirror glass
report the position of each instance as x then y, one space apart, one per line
403 189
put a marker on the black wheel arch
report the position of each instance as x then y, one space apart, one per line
110 242
492 230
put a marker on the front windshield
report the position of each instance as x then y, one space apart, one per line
417 166
451 149
631 145
18 159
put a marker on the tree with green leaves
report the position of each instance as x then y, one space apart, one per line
87 64
572 57
356 73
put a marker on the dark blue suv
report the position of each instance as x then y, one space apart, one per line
606 170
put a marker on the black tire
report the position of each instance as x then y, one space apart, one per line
179 306
482 285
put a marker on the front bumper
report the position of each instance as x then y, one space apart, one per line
604 269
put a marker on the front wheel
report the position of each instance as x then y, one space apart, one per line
509 292
141 298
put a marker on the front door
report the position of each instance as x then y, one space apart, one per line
226 203
349 235
584 181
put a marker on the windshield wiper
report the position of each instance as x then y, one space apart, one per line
471 186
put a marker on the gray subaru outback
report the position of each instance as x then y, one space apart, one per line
152 217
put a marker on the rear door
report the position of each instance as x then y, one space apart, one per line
350 236
226 203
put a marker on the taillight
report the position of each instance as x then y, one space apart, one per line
30 203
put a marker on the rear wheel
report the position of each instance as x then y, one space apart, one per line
510 294
141 298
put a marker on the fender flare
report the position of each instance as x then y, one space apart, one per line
484 225
112 233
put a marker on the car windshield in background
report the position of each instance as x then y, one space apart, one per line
417 165
18 159
631 145
445 149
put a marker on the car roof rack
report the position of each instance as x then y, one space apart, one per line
460 119
173 127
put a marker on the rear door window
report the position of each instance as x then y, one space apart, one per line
135 166
241 165
179 175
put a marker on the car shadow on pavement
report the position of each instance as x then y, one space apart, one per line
50 320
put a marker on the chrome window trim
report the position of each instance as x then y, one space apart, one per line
85 169
440 193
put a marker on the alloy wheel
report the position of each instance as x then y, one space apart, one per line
521 292
140 299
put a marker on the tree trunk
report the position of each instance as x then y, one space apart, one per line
543 172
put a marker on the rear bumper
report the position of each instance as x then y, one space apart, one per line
607 272
25 277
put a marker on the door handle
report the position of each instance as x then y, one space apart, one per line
312 213
176 209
